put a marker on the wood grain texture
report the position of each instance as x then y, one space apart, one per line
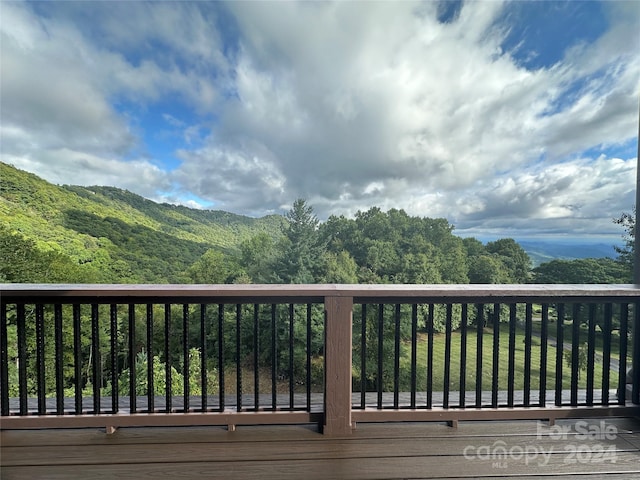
373 451
291 450
346 469
338 345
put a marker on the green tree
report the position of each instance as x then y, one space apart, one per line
374 324
487 269
257 257
625 253
22 262
583 357
383 259
341 233
340 268
214 267
419 268
395 247
159 377
301 251
473 247
513 257
454 265
583 270
376 225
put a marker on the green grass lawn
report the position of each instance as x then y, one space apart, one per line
487 361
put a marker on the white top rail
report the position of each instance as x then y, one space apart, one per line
406 291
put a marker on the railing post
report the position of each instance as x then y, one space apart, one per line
337 364
635 364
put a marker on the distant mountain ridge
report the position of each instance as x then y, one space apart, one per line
544 250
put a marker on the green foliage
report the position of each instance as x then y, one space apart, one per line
586 270
625 254
23 262
502 261
152 255
301 250
160 378
274 323
487 269
419 268
583 357
257 257
115 235
340 268
473 247
454 265
376 351
29 327
142 384
214 267
514 258
393 247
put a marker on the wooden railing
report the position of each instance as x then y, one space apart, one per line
124 355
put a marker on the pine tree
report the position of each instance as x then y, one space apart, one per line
301 252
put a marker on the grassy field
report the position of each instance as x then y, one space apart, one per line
503 361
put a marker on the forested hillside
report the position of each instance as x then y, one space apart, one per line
113 235
75 234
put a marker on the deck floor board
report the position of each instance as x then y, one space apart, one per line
373 451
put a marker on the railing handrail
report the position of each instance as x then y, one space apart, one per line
319 291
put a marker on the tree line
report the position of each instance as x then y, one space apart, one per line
372 247
390 247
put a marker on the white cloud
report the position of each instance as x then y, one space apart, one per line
243 178
60 91
582 195
344 103
64 166
346 95
47 92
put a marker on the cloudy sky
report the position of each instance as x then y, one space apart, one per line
511 119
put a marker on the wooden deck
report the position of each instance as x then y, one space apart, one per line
595 448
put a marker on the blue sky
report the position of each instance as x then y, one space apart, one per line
507 118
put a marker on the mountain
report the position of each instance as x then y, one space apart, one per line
544 251
122 236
